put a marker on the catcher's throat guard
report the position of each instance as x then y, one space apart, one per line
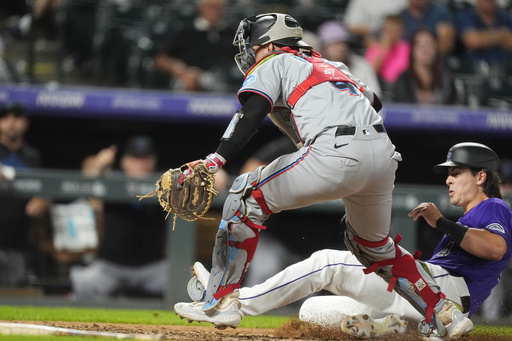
189 200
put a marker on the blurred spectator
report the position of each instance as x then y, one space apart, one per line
15 17
335 45
78 28
426 81
485 32
118 28
435 17
389 55
199 56
8 73
16 213
44 19
366 18
131 254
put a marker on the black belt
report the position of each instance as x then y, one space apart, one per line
349 130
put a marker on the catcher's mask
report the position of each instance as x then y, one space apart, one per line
265 28
472 155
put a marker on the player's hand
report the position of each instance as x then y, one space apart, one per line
427 210
214 163
37 206
99 163
190 79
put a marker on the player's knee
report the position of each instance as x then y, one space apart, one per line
322 255
241 188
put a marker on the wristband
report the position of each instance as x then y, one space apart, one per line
455 231
214 162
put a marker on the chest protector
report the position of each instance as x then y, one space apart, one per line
322 72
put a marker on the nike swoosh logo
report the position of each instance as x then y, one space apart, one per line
336 146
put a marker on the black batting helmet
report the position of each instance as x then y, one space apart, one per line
472 155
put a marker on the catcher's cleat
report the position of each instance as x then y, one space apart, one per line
196 287
456 323
365 327
225 314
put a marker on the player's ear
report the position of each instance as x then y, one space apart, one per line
271 47
481 177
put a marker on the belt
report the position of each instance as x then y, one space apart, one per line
350 130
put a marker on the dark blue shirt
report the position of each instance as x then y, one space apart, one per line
470 20
434 15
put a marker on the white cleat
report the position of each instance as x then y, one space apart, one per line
225 314
365 327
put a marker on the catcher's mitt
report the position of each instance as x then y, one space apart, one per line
189 200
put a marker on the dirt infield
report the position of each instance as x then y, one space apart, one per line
292 331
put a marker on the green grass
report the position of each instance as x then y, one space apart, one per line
120 316
161 317
492 330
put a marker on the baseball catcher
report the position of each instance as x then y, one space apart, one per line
186 191
344 152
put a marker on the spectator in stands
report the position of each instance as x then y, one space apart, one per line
426 81
335 45
365 19
44 21
485 32
131 255
16 214
8 72
199 56
15 17
389 55
436 17
78 30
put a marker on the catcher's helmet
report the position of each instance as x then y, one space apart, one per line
265 28
472 155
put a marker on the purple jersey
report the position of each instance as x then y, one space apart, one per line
480 275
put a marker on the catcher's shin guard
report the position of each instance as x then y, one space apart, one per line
234 249
236 241
401 270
